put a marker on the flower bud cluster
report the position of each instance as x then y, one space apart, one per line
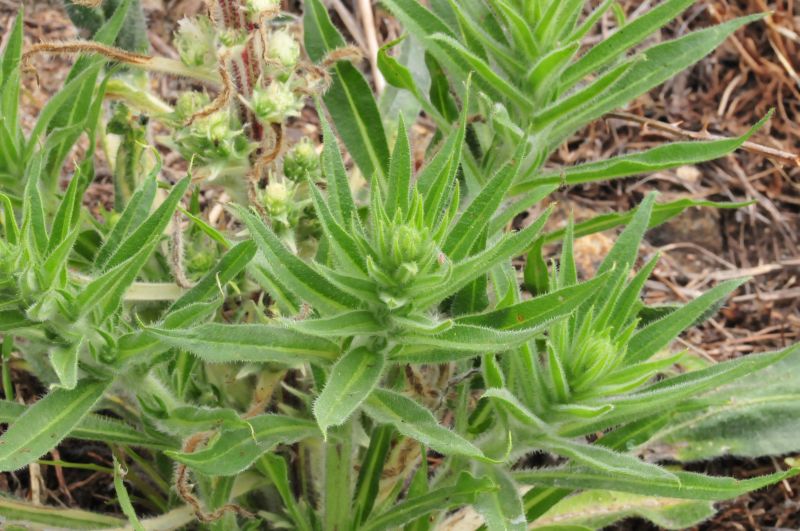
301 162
276 102
209 139
196 42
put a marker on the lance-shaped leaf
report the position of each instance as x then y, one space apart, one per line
104 293
539 310
689 486
600 509
665 394
151 228
235 450
473 221
357 322
624 39
65 364
339 197
42 426
296 274
413 420
349 98
667 156
124 499
132 217
659 334
230 265
352 379
342 242
257 343
399 178
470 338
469 269
753 416
369 476
14 510
487 79
95 427
464 492
657 64
607 461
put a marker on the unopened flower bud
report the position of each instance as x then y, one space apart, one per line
283 48
301 160
196 42
256 8
189 103
278 200
275 103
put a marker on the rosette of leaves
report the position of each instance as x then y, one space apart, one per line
539 78
420 279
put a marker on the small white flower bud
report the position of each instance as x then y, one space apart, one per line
283 48
275 103
196 42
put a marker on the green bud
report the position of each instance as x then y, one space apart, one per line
189 103
278 199
301 160
196 41
283 48
255 8
275 103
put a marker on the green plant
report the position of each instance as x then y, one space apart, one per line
350 357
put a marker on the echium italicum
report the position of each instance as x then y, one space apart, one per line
342 347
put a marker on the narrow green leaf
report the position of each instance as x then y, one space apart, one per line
541 309
298 275
608 461
12 53
95 428
600 509
753 416
257 343
357 322
123 498
229 266
663 157
690 485
343 244
133 216
399 179
235 450
13 511
464 492
665 394
415 421
349 98
473 221
649 340
467 270
496 84
654 66
624 39
351 380
65 364
369 475
395 73
42 426
339 196
104 293
151 228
